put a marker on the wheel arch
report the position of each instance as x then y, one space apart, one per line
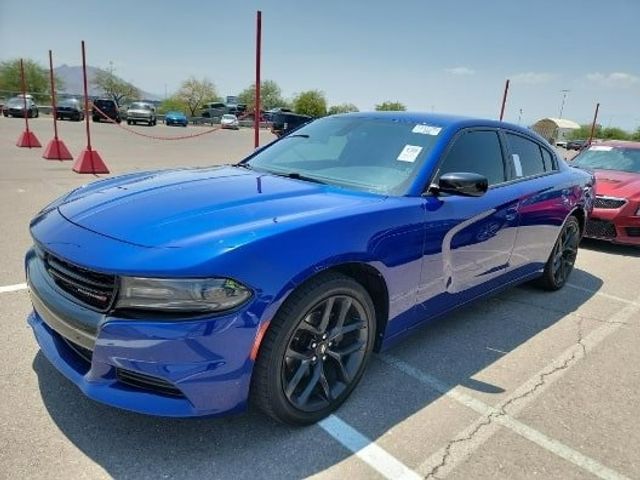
366 275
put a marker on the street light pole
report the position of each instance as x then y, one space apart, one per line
564 98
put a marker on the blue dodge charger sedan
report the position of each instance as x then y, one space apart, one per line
199 291
176 118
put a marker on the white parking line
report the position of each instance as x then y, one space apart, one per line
602 294
469 440
368 451
13 288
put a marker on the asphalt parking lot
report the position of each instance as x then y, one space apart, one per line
527 384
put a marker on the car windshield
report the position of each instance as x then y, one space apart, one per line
174 114
69 103
609 158
375 155
16 102
140 106
229 117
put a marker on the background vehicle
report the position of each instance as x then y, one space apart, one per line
141 112
15 107
108 107
284 122
576 144
229 121
176 118
616 212
272 281
213 110
70 108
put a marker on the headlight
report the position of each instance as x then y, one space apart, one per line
194 295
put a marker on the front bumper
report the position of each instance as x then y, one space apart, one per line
190 368
614 226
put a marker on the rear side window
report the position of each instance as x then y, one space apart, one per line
548 160
527 156
476 151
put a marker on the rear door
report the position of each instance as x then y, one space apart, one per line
545 202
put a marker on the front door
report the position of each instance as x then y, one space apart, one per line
469 240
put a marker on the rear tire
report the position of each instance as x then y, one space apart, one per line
562 258
315 350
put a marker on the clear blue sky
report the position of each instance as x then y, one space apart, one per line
451 56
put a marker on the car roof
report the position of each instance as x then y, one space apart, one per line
620 144
441 120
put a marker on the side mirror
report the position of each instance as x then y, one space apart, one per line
462 183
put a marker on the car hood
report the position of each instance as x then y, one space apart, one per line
139 111
615 183
221 206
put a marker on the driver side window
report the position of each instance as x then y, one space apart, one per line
476 151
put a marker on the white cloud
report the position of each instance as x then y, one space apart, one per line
532 78
615 79
460 71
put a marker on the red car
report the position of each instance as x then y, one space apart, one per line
616 212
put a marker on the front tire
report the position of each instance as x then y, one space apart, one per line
315 351
563 256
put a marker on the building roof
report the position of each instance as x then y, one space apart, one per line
559 123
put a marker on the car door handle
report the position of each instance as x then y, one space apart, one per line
511 214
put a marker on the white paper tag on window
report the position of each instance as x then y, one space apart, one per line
517 164
600 148
426 129
409 153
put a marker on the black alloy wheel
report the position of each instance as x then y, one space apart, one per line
563 256
325 353
315 350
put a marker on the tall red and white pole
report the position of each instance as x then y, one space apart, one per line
56 149
256 113
593 124
504 99
27 138
89 160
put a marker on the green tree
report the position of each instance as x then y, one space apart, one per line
636 135
270 96
389 106
311 102
36 79
584 132
195 93
114 87
343 108
172 104
614 133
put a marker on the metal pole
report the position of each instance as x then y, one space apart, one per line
86 96
256 115
504 99
564 98
24 97
593 125
53 98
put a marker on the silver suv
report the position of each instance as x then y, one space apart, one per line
141 112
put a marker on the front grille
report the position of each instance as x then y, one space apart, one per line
610 203
84 353
94 289
600 229
147 382
633 231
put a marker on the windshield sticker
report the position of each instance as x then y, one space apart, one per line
600 148
426 129
517 164
409 153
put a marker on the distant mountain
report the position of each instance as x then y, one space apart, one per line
72 78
